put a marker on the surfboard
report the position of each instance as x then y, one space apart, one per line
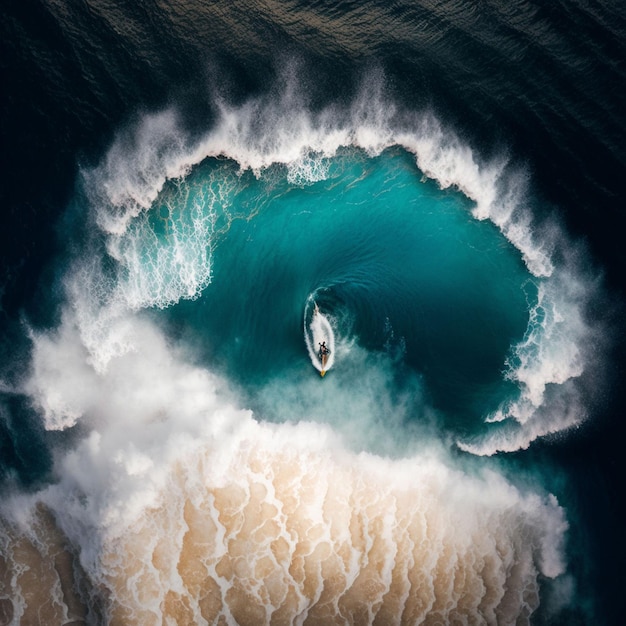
324 360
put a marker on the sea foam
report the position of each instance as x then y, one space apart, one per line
179 505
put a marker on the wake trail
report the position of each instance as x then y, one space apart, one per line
316 331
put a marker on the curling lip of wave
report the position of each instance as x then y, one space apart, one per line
260 134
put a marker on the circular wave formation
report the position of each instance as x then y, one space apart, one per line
454 322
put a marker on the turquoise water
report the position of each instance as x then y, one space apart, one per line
399 265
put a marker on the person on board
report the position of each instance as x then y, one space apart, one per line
323 352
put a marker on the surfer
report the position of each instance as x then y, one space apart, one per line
320 327
323 353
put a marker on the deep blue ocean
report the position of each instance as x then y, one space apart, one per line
195 196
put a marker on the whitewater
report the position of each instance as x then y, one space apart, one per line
194 491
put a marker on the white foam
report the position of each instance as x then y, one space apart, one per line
135 169
558 349
178 490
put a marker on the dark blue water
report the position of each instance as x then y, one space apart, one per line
181 182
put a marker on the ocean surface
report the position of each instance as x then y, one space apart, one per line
195 195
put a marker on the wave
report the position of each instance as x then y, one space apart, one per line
180 504
263 133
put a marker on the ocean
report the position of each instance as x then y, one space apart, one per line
195 196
